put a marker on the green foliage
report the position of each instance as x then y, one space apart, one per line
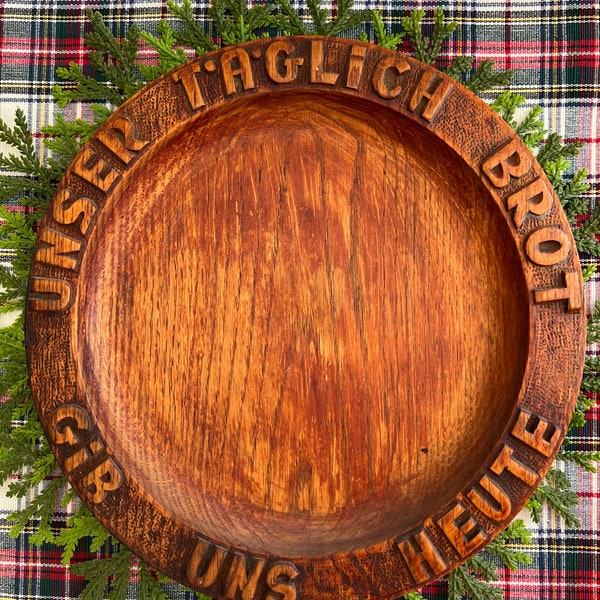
590 383
460 67
116 76
462 581
17 235
382 37
501 545
412 596
531 128
41 508
236 22
81 524
427 49
190 32
581 407
330 24
554 157
486 77
588 272
64 142
474 578
29 178
583 459
149 583
287 20
169 56
555 492
107 578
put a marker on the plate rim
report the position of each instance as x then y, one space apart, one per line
420 93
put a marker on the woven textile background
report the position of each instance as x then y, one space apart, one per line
554 48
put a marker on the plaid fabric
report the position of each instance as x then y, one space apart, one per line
554 48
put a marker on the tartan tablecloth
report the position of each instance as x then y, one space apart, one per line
554 48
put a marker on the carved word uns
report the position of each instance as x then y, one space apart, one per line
238 575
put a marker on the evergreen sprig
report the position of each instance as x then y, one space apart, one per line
531 128
382 36
502 546
584 459
583 404
555 492
486 77
169 54
462 582
331 24
41 510
115 76
427 49
80 525
236 22
24 175
287 21
107 578
190 32
412 596
149 583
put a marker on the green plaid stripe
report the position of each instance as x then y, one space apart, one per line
554 48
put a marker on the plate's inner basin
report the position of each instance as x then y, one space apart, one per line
297 285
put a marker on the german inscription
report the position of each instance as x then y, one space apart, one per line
425 98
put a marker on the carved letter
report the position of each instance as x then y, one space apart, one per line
355 68
506 461
57 248
85 453
92 168
421 556
385 84
507 162
67 424
187 78
317 70
461 529
45 292
240 580
120 139
430 96
548 255
290 65
484 503
571 292
204 563
533 199
286 588
537 432
70 425
106 477
243 70
79 207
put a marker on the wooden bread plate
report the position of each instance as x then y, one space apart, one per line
305 320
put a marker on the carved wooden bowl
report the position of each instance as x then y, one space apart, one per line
305 320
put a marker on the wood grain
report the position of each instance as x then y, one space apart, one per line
308 302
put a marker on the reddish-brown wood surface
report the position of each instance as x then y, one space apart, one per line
305 320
